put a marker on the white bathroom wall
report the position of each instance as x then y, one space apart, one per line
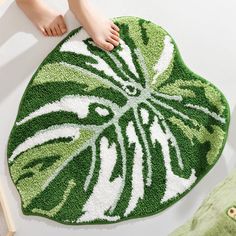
206 35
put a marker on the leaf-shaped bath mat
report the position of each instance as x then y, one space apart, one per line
102 137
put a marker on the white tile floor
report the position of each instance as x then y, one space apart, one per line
206 35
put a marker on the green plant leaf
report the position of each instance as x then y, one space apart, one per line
106 136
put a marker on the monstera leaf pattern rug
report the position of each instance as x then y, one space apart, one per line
102 137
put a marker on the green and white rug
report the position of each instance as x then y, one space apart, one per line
102 137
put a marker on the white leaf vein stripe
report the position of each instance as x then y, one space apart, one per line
137 191
170 108
169 97
123 154
42 136
126 54
119 66
92 168
97 77
174 183
105 192
113 73
165 58
206 111
172 137
142 63
70 103
144 139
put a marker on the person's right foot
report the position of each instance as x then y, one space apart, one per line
49 22
103 31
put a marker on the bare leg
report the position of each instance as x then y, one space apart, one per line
102 30
48 21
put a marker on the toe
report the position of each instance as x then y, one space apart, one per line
107 46
115 27
49 32
58 30
61 18
113 41
116 38
62 25
54 32
63 28
43 30
103 44
114 32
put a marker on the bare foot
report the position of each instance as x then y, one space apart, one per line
103 31
49 22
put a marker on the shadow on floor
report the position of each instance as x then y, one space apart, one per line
20 67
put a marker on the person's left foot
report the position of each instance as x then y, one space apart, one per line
48 21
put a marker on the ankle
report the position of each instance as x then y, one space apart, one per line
77 5
20 2
25 2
